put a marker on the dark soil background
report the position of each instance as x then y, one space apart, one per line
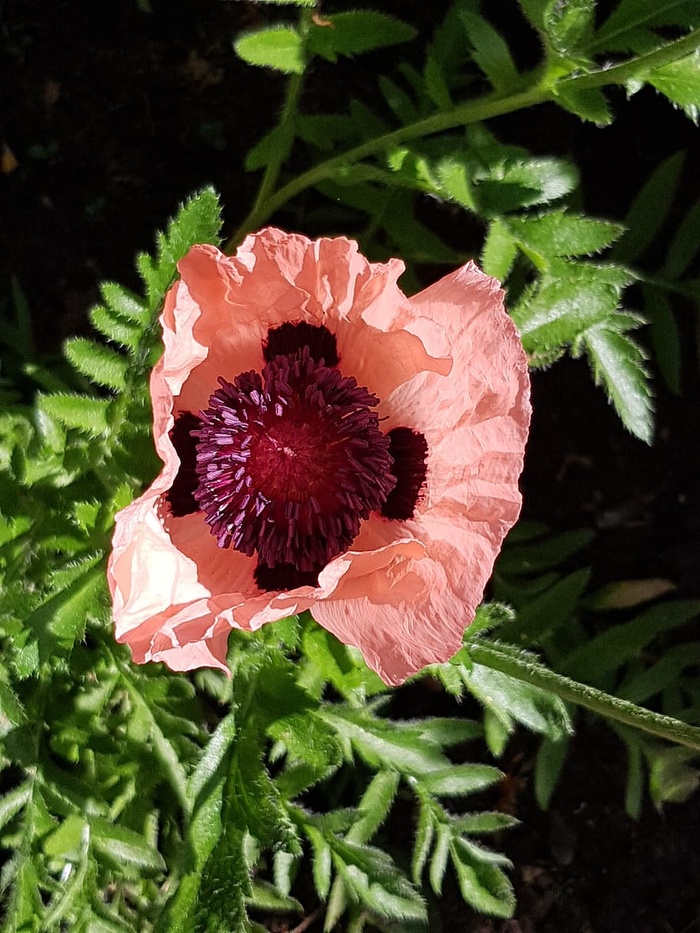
111 113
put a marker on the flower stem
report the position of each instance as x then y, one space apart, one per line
491 105
283 143
532 672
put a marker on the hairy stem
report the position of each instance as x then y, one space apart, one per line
619 74
284 143
532 672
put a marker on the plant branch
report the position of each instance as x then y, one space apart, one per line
532 672
490 105
484 108
286 138
620 74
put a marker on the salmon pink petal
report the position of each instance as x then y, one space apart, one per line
281 436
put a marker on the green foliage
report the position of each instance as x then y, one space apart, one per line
137 799
278 47
355 32
638 658
670 287
409 142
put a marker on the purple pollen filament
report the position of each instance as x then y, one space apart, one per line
289 463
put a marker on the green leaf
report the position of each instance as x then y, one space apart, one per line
507 697
665 336
66 841
381 742
561 234
100 364
115 328
398 100
279 47
374 879
549 765
640 686
649 209
60 619
541 551
483 885
425 832
266 149
680 82
13 802
324 130
685 244
450 732
489 616
452 176
460 780
435 83
672 779
570 25
630 23
486 822
264 896
490 51
374 806
224 887
197 221
511 185
438 862
548 610
212 765
497 730
499 252
123 849
11 711
332 661
588 103
536 12
289 2
123 303
609 650
571 298
355 32
85 414
253 800
619 365
372 811
25 902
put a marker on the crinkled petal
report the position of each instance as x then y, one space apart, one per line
447 363
414 612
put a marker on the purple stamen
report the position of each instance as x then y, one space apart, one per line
279 458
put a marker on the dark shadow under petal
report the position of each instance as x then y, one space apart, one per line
283 577
409 450
180 496
291 337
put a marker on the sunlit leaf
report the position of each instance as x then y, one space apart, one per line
279 47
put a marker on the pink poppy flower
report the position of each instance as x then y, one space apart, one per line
328 444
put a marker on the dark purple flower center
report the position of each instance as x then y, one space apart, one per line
288 462
291 461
